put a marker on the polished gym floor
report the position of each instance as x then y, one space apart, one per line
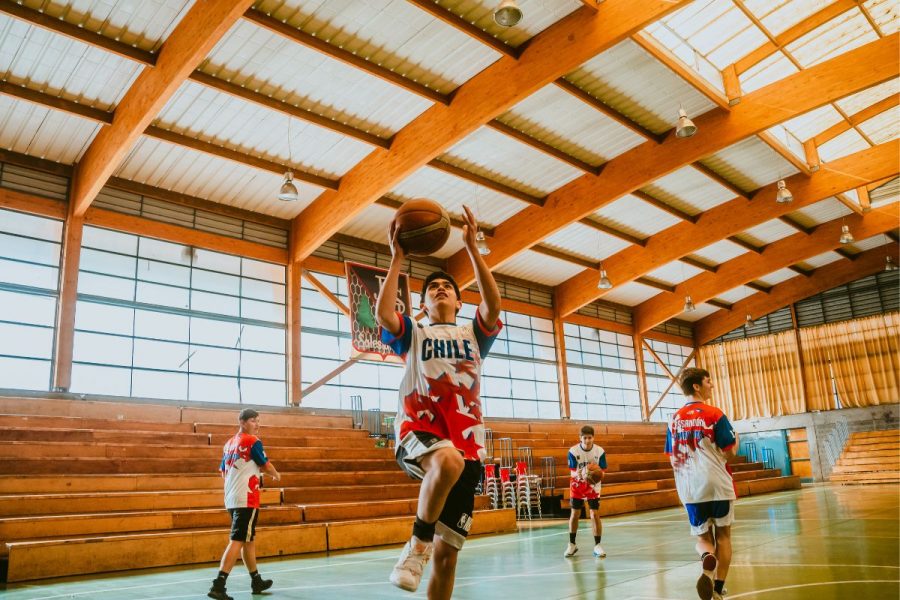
823 542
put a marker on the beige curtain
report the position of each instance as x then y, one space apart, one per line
861 355
756 377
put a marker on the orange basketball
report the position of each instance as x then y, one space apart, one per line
424 227
594 473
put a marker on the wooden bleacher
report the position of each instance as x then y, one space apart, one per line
869 457
639 475
89 487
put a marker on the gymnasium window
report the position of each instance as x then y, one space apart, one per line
519 376
325 345
29 287
162 320
673 355
603 382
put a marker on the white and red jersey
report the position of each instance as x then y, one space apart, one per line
697 438
578 459
439 393
242 457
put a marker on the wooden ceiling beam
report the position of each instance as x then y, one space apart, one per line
663 206
794 224
597 104
719 303
855 119
849 203
565 256
700 265
625 237
759 287
800 270
745 244
470 29
190 42
734 189
791 291
722 221
544 147
795 95
793 33
747 267
549 55
775 144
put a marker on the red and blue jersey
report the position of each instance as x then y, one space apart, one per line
242 457
578 459
696 440
439 393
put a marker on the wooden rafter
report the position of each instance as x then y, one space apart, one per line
698 264
190 42
664 206
549 55
855 119
791 291
745 244
747 267
794 95
725 220
775 144
728 185
454 20
719 303
793 33
626 237
849 203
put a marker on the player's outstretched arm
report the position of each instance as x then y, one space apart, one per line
490 295
272 472
386 306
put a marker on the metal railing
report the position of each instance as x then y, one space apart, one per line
833 446
356 411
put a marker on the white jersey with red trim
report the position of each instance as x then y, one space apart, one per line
439 393
242 456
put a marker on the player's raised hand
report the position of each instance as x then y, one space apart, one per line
470 228
394 241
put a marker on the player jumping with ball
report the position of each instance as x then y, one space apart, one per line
439 428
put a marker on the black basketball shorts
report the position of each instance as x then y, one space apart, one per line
243 523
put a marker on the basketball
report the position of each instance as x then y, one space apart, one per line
594 473
424 227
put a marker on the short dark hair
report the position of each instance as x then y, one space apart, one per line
440 275
587 430
247 414
691 376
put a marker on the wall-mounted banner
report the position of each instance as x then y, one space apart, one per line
363 285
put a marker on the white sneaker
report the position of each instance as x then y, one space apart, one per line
599 552
705 583
408 571
571 549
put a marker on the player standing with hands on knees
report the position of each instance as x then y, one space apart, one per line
439 428
587 465
699 442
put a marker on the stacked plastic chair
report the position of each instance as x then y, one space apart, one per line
507 489
528 492
491 485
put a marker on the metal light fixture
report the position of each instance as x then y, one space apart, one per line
688 304
685 127
846 236
604 283
288 191
784 195
749 322
889 264
508 14
481 243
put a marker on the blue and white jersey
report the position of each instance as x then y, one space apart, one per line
439 393
578 459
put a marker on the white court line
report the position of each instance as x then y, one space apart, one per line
805 585
812 566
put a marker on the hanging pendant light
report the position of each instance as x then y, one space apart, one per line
288 191
784 195
481 243
508 14
749 322
604 283
688 304
889 264
685 127
846 236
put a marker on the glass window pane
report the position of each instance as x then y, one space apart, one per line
218 283
548 410
104 239
103 349
160 272
107 263
263 270
216 261
169 356
207 388
262 311
262 290
24 374
30 225
109 381
154 384
164 251
26 341
216 361
214 333
26 308
161 295
263 366
266 393
36 251
29 275
266 339
105 286
91 316
159 325
215 304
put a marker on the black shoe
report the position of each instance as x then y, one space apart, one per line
218 593
259 585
